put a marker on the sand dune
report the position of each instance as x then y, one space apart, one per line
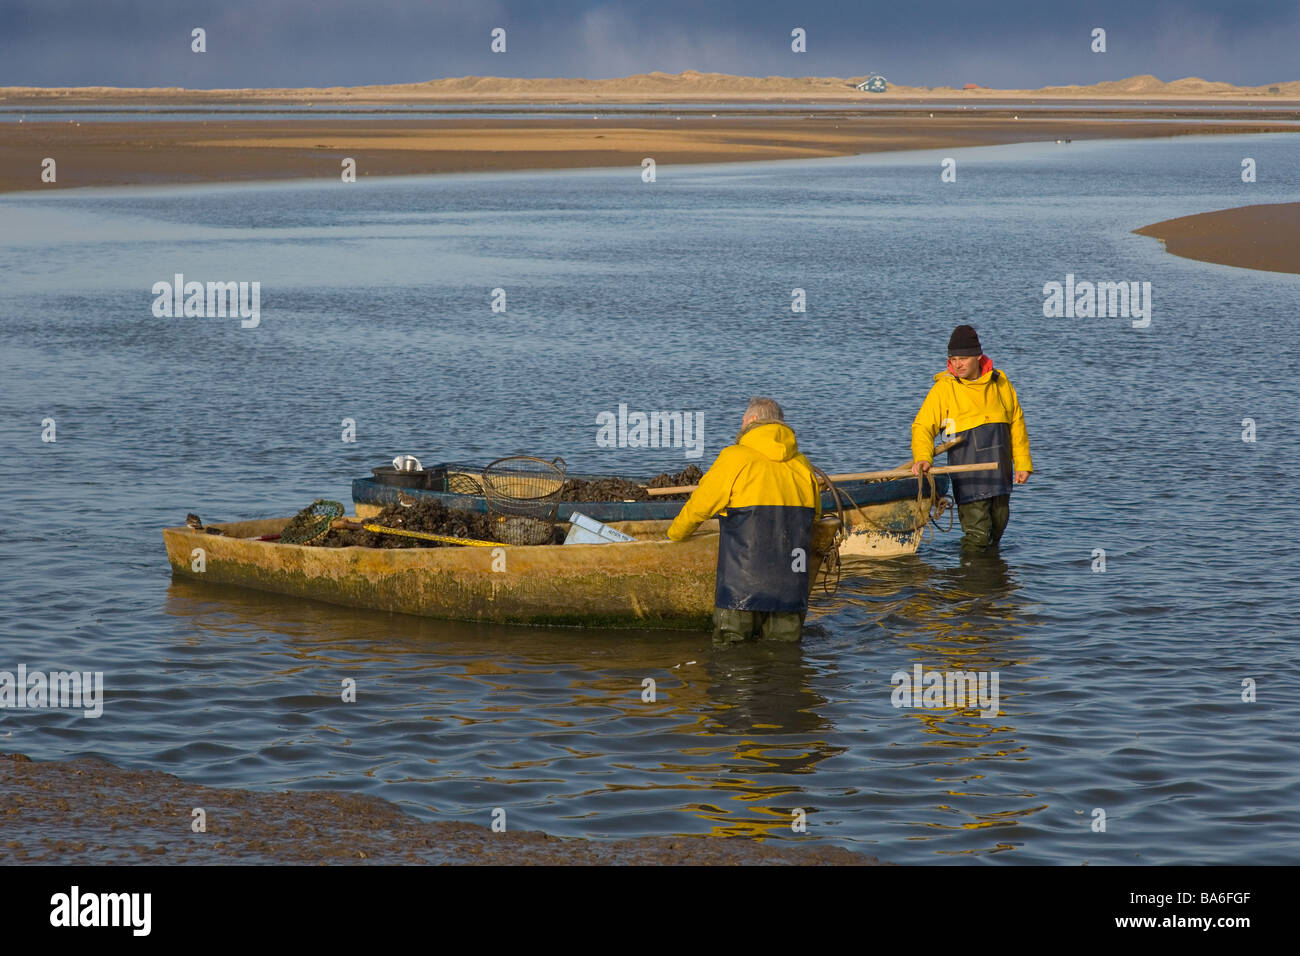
688 86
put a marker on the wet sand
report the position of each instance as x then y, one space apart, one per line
1263 237
152 153
90 812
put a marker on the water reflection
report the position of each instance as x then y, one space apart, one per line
735 723
966 617
762 689
761 696
981 580
729 744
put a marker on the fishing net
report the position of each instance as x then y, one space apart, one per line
523 497
312 522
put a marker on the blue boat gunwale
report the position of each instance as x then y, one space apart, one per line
368 491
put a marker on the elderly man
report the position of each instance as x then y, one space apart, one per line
767 499
975 401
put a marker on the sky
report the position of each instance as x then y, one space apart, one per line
293 43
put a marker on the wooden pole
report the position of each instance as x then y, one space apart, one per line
862 476
346 525
938 451
907 472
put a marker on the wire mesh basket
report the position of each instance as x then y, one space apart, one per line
464 478
523 498
312 522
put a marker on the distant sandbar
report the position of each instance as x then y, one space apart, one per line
151 152
1263 237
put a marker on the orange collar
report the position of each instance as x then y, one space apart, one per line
986 366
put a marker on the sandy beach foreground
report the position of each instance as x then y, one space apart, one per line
90 812
1252 237
153 153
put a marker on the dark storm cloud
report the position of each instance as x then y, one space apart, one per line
337 42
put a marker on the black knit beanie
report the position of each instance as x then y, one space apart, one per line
964 342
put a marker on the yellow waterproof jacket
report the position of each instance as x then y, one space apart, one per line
986 412
767 498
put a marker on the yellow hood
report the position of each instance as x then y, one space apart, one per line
762 469
772 440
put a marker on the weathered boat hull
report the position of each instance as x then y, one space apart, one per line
889 528
653 583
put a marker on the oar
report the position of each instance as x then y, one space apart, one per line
344 524
863 476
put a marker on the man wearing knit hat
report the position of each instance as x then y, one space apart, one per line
974 401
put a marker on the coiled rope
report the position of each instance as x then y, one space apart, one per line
831 561
932 505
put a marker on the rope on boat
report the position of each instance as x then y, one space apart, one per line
935 506
940 506
929 505
831 561
426 536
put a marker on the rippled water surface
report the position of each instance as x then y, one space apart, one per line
1121 691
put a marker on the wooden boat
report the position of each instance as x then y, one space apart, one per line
884 518
648 583
889 519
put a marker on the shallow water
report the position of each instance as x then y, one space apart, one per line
1120 690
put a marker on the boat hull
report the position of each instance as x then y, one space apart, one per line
654 583
885 530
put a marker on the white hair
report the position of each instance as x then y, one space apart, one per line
764 410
